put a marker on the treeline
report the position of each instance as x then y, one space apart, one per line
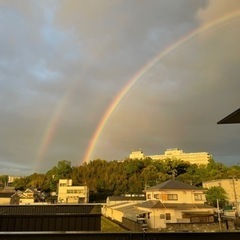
105 178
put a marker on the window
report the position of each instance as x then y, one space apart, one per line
162 216
149 196
156 196
198 197
172 197
168 216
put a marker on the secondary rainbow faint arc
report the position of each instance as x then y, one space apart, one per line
51 129
144 70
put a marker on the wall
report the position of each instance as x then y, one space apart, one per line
228 185
196 227
184 196
5 200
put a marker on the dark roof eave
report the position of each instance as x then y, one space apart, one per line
231 118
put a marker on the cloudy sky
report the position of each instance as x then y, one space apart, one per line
88 79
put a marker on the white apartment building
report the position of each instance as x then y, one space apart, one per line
72 194
11 179
137 155
175 153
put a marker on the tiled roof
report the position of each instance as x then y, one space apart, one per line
173 184
151 204
180 206
185 206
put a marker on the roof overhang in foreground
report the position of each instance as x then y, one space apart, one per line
231 118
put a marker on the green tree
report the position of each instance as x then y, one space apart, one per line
4 180
216 193
21 183
63 170
36 180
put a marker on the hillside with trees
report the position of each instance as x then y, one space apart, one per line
105 178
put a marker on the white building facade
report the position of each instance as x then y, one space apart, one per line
72 194
231 187
175 153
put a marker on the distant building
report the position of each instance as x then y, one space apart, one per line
11 179
137 155
175 153
231 187
72 194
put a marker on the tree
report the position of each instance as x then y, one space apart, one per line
21 183
4 180
214 193
63 170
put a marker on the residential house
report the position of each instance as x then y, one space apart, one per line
27 196
117 207
176 202
169 202
72 194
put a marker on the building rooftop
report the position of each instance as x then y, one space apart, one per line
6 194
173 184
151 204
181 206
126 198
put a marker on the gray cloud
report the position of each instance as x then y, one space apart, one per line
63 62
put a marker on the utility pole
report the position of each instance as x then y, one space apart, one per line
219 216
235 196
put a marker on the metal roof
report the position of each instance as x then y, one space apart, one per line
231 118
50 209
6 194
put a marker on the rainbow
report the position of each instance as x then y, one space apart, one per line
51 129
166 52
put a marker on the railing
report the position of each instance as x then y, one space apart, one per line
118 236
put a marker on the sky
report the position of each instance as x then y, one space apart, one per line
88 79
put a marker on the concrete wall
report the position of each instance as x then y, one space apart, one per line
206 227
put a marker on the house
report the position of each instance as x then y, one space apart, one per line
176 202
27 196
72 194
169 202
